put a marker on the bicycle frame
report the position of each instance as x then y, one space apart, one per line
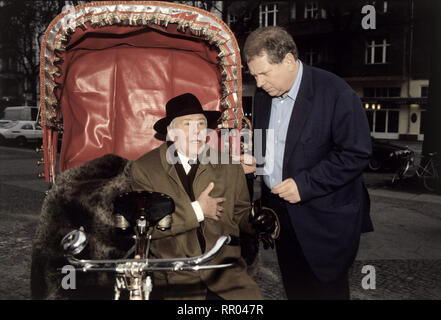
427 172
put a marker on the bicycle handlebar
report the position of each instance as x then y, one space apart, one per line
145 265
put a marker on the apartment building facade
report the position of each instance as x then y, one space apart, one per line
387 64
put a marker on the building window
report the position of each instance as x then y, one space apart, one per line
369 92
392 121
293 11
198 4
384 6
10 64
380 121
422 121
377 51
383 121
268 15
382 92
231 19
424 91
312 57
312 10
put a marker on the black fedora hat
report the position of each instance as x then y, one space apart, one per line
183 105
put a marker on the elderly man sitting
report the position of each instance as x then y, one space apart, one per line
211 199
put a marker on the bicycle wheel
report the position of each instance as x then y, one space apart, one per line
431 177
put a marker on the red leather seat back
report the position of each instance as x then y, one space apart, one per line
115 87
108 68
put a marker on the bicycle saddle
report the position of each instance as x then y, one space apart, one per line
154 206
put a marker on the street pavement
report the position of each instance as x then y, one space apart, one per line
404 251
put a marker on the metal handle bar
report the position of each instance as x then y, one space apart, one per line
143 265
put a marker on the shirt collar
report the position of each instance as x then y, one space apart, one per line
292 93
184 159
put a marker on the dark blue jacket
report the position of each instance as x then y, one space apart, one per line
328 145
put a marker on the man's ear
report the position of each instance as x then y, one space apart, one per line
289 59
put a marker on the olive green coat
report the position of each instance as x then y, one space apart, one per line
152 172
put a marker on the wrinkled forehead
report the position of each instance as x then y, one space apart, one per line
262 53
259 63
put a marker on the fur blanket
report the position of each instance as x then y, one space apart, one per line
83 197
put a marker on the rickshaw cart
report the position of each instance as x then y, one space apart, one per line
107 71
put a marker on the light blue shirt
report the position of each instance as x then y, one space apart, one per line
281 110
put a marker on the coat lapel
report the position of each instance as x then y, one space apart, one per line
262 117
170 168
299 116
204 170
264 110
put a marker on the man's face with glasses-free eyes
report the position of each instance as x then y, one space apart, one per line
189 133
275 78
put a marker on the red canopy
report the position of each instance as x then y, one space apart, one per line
110 69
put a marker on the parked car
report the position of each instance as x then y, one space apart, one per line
21 132
3 122
388 156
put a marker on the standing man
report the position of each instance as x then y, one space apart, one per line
316 143
211 199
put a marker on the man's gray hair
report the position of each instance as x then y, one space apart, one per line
172 124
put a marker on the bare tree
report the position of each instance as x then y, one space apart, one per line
25 22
